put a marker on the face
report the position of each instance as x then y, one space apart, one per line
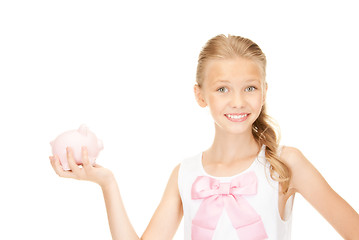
234 92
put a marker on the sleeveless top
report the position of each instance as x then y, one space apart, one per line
243 206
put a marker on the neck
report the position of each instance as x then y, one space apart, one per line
230 147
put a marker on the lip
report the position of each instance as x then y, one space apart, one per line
238 119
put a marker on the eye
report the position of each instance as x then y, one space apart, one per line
252 88
222 89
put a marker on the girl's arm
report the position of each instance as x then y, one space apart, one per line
169 213
165 220
312 186
120 225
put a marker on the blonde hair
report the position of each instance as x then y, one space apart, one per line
265 130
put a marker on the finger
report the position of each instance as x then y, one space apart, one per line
52 162
71 161
59 170
85 159
97 165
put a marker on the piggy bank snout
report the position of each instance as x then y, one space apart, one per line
100 144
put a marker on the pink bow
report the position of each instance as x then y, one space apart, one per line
216 196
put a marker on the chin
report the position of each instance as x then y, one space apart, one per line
239 130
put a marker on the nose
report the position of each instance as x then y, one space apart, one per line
237 100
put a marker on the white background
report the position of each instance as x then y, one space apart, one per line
127 70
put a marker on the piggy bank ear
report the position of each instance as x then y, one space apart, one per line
83 130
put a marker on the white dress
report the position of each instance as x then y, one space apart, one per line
263 204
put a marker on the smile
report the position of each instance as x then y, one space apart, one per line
237 117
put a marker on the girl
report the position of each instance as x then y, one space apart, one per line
243 186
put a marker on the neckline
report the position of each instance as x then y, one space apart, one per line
255 160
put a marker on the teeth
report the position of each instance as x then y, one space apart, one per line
236 116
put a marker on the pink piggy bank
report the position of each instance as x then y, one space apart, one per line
75 139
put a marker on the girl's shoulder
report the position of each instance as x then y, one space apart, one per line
293 158
302 171
289 152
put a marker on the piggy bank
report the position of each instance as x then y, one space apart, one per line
75 139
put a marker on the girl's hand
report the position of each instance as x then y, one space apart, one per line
97 173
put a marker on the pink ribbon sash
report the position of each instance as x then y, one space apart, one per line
217 196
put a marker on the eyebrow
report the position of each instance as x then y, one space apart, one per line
226 81
219 81
252 80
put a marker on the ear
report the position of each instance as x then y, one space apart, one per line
199 97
